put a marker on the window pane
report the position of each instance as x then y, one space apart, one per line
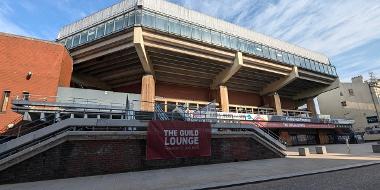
196 33
109 27
234 43
83 37
334 71
272 54
321 67
279 56
185 30
266 52
215 38
148 19
76 40
326 69
307 63
119 23
100 31
259 50
91 34
206 35
161 23
138 15
251 48
291 59
285 57
297 60
131 20
302 60
174 27
313 66
69 43
225 40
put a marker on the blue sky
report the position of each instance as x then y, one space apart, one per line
348 31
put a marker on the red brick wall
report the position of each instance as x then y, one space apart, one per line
49 63
287 103
133 88
182 92
244 98
83 158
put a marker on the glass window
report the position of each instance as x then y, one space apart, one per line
266 52
291 59
316 66
215 38
234 42
297 60
334 71
148 19
138 14
174 26
206 35
91 34
76 40
83 37
330 70
126 18
259 50
272 54
131 20
321 67
5 100
225 40
196 33
69 42
100 31
110 27
250 48
119 23
279 56
302 60
63 42
285 57
161 23
185 30
307 63
325 67
312 65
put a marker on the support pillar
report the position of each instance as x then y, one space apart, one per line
147 93
311 106
224 101
277 104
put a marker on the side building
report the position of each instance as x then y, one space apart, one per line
358 100
30 67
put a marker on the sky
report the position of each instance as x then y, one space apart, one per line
347 31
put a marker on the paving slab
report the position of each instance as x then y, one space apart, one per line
216 175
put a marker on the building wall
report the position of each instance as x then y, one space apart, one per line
182 92
359 105
97 157
244 98
50 64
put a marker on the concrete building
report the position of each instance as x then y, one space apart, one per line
28 67
357 100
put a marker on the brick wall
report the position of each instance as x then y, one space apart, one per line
50 64
182 92
88 157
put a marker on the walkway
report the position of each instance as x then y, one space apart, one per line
196 177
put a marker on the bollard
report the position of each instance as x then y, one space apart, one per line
320 150
303 151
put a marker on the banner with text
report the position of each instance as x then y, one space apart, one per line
178 139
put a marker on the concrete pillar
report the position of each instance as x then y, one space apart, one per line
311 106
277 104
147 93
224 101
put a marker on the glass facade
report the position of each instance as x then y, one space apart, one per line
174 26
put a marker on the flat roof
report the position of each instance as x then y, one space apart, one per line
182 13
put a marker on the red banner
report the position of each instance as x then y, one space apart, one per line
178 139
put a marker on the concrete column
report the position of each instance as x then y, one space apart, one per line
147 93
311 106
277 104
224 102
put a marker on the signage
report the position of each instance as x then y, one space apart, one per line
264 124
178 139
372 119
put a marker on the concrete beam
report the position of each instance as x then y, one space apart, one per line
227 73
224 101
278 84
316 91
138 42
148 87
277 104
88 80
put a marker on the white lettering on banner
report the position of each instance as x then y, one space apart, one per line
181 137
242 116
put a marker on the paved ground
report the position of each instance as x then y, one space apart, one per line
204 176
363 178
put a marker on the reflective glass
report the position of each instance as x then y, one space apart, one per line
265 51
196 33
138 15
174 27
83 37
234 42
307 63
225 40
69 42
291 59
109 27
119 23
100 31
185 30
161 23
148 19
215 38
313 66
302 61
272 53
76 40
259 50
297 60
285 57
334 71
241 45
251 48
131 19
206 35
321 67
279 56
91 34
326 69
